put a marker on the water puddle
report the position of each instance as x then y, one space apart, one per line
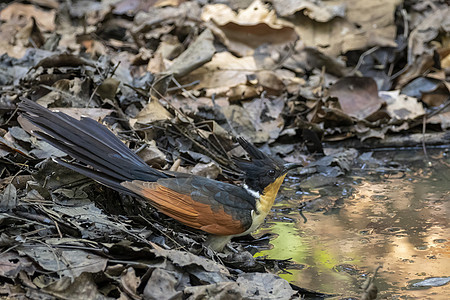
390 211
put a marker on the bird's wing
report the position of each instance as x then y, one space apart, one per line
212 206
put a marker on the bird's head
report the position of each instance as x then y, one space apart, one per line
263 174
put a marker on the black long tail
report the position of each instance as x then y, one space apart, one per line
89 142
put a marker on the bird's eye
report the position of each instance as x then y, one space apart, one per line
271 173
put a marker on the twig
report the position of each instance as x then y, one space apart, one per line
424 147
182 87
12 115
163 233
433 113
361 58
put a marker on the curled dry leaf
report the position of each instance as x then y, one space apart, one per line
16 11
420 55
21 28
152 155
365 24
130 282
243 32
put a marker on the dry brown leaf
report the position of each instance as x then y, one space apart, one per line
256 13
443 119
241 122
427 31
366 24
423 63
108 88
18 11
358 96
266 115
239 92
156 64
77 261
82 286
152 155
223 71
46 3
270 81
420 50
210 170
30 35
22 29
250 28
169 47
130 282
198 53
258 120
152 112
88 112
94 48
146 21
8 199
445 62
162 285
402 107
320 11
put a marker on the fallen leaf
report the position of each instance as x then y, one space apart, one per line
265 285
83 286
221 290
365 24
152 155
16 11
130 282
108 88
223 71
210 170
12 264
402 107
243 32
320 11
358 96
162 285
443 119
152 112
197 54
70 263
8 199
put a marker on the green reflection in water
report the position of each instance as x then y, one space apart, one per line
398 220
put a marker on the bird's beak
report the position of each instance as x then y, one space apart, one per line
292 166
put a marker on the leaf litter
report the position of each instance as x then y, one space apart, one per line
175 80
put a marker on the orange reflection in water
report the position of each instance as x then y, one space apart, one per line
400 223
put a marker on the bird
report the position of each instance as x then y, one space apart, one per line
221 209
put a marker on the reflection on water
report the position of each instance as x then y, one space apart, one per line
397 219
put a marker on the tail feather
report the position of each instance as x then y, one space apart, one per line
92 144
111 181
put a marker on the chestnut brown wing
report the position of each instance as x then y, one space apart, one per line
212 206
